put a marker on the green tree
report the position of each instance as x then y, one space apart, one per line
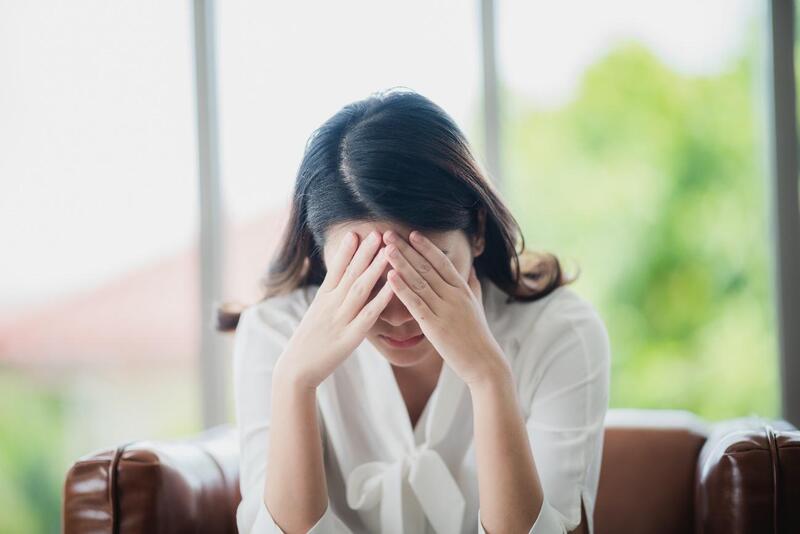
652 182
31 468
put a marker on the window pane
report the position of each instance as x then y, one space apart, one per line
286 67
633 149
98 211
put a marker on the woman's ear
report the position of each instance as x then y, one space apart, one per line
479 240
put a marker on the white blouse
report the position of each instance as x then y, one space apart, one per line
384 476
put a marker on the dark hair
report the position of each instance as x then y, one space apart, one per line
397 156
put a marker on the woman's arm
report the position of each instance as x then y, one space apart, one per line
568 405
337 320
261 338
508 483
566 357
295 490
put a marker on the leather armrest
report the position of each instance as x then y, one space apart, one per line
748 478
188 485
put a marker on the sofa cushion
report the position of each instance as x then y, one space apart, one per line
648 472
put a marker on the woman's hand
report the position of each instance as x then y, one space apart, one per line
448 308
338 319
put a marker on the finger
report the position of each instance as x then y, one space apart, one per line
370 313
434 255
418 308
412 277
474 283
362 287
361 260
421 264
340 261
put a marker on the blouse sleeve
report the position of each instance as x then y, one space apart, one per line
565 359
261 335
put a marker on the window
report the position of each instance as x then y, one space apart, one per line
635 151
98 220
283 71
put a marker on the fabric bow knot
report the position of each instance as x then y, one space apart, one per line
438 496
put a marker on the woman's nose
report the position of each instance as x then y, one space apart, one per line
395 313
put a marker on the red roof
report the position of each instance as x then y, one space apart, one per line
147 315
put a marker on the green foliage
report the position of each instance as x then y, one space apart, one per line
652 182
31 471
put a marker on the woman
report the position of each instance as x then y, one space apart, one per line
409 370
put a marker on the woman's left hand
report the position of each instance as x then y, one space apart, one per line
448 308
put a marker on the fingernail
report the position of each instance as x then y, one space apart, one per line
416 237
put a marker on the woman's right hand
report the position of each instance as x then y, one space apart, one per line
339 317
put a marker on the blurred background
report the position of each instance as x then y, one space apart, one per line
632 139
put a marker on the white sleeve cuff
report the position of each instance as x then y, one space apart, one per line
548 521
329 523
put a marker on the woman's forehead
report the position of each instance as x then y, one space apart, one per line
363 229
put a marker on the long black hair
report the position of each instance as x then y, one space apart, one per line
397 156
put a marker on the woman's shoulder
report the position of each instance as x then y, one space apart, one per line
562 316
285 308
565 307
556 343
265 327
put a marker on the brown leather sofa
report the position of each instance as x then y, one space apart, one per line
662 472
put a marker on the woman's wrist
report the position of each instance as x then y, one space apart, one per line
287 373
495 374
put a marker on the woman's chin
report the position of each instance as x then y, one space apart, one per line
404 357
